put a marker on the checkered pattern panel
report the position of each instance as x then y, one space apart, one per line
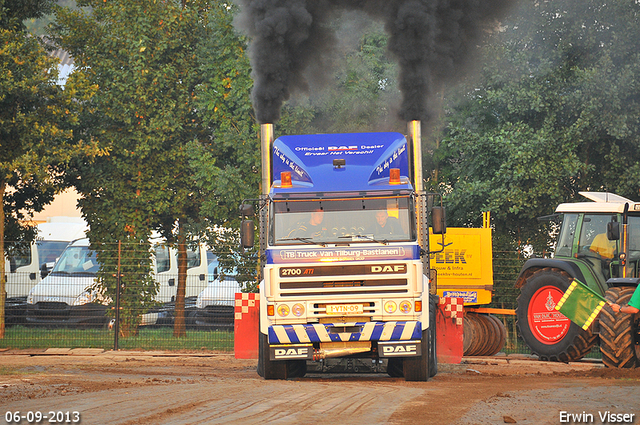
454 307
244 302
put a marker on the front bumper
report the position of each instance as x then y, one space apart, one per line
345 332
15 310
62 314
215 317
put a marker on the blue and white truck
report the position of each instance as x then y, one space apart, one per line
344 252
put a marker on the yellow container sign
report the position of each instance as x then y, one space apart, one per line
464 264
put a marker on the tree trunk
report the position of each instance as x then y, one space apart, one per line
179 328
3 278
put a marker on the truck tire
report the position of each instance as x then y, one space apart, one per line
277 370
394 368
418 368
426 366
433 341
547 332
266 368
618 331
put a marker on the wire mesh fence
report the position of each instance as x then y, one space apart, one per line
121 296
74 305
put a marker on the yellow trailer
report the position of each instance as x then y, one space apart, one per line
464 269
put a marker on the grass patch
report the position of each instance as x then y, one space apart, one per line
21 337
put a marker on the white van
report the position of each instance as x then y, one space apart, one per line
25 271
215 304
66 297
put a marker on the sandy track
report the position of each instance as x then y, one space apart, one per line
141 388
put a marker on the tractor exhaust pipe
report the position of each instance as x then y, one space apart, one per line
266 146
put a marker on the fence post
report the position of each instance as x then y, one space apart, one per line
117 324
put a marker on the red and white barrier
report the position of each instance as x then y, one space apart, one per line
246 325
450 330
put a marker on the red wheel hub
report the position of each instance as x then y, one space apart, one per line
547 324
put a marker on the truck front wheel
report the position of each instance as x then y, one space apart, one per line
426 366
269 369
548 333
618 331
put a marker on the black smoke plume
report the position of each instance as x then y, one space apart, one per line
432 40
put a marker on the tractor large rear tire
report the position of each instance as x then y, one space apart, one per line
618 331
547 332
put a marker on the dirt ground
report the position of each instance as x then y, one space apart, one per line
188 388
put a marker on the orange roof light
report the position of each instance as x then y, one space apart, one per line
394 176
285 179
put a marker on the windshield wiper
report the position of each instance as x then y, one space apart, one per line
305 240
369 238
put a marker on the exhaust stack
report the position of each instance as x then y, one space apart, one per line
421 206
416 148
266 146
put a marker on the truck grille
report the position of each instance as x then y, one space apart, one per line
343 287
49 306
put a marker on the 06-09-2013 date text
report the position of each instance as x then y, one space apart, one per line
64 417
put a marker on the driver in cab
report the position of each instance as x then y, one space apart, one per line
311 228
386 225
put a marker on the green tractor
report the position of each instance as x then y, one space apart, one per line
599 245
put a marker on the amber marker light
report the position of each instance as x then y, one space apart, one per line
285 179
418 306
271 311
394 176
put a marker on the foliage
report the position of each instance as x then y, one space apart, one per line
555 111
38 24
172 110
363 91
14 12
142 56
36 121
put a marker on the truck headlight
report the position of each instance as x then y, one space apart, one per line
30 298
297 310
390 307
405 307
283 310
199 302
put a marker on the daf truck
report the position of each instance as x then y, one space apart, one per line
344 252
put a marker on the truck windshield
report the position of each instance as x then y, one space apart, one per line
78 260
48 251
377 220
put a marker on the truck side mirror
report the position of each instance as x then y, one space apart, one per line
44 270
439 220
613 231
247 233
246 210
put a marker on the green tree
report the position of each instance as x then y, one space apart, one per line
227 165
36 120
554 111
363 91
172 113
